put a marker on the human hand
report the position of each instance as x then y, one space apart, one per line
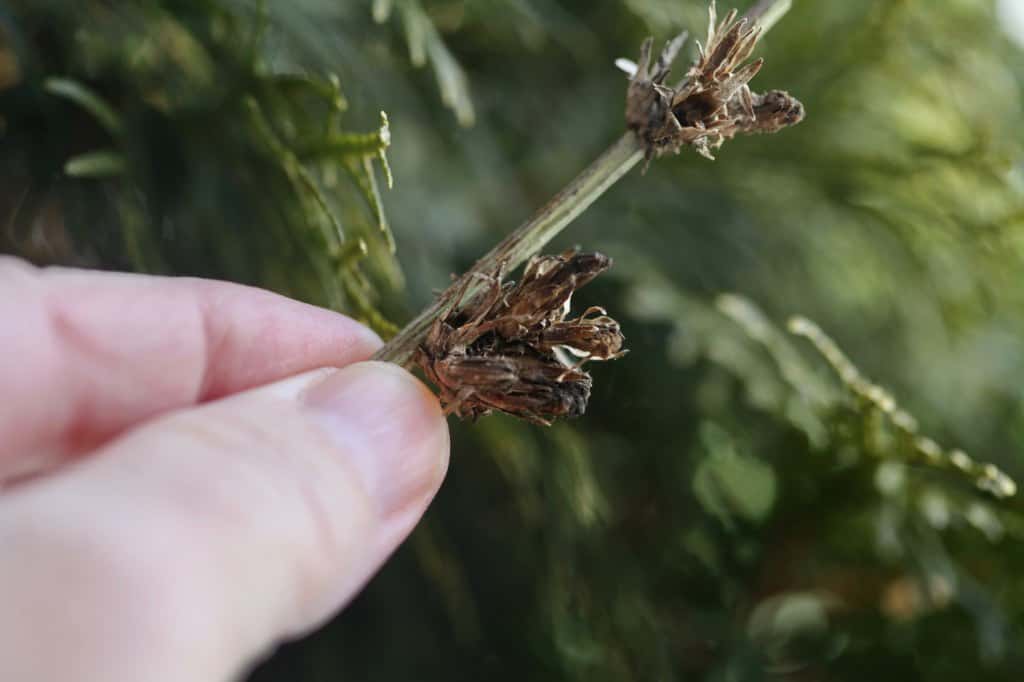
181 485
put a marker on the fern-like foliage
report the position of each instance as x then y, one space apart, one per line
159 131
908 489
426 45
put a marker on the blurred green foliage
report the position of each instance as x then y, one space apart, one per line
167 138
737 504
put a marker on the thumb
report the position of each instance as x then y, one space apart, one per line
191 545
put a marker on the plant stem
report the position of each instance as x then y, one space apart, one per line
551 219
525 241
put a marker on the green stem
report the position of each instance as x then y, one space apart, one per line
552 218
525 241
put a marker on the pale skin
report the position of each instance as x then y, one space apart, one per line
191 472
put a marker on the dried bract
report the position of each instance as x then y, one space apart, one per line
713 103
514 349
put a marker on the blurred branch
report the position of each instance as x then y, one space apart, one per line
875 400
768 12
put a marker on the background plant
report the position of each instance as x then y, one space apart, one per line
728 509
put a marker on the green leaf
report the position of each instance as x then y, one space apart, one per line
84 97
381 10
425 44
730 485
103 163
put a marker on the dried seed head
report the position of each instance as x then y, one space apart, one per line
713 103
513 348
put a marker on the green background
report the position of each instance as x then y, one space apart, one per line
728 508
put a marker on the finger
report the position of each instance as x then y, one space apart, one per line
87 354
189 546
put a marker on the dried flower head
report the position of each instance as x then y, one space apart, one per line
713 103
513 348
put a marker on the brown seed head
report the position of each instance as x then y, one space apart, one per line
713 103
513 348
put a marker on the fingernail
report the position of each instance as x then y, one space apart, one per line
389 428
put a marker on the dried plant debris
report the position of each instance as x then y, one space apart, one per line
513 348
713 103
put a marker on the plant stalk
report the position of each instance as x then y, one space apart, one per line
530 237
525 241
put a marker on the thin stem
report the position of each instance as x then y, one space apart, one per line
551 219
525 241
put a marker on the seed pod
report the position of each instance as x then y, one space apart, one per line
713 103
512 348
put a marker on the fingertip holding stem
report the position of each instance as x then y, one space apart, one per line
391 430
211 534
392 438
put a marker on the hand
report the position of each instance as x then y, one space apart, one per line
182 486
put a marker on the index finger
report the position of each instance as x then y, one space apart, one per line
85 355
